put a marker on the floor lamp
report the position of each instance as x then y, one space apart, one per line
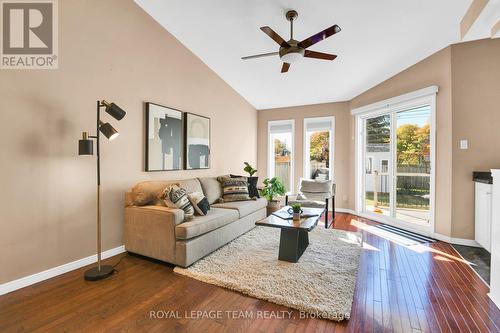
86 147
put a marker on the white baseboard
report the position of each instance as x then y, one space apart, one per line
345 210
447 239
55 271
457 241
495 299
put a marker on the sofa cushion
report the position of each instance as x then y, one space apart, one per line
199 225
190 185
244 208
308 203
211 188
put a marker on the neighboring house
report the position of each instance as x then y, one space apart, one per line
377 162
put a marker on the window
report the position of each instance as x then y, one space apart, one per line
384 166
318 148
369 165
280 151
397 136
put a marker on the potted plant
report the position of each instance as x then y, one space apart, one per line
296 210
273 187
252 181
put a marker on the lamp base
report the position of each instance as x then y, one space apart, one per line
95 274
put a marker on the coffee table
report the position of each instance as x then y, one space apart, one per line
294 237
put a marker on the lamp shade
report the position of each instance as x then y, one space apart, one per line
108 131
114 110
85 146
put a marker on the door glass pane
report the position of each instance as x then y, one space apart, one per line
377 157
413 165
318 166
282 148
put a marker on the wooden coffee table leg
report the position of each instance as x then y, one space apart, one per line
293 243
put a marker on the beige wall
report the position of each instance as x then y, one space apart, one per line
342 143
112 50
476 117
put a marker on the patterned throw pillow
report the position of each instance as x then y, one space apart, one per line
175 196
253 192
234 189
199 202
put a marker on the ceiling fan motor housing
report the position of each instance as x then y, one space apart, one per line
291 15
291 53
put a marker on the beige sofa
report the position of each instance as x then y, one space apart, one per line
156 231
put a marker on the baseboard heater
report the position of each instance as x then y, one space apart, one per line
405 233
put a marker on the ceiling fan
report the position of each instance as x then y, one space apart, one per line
293 50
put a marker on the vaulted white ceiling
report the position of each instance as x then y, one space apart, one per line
378 40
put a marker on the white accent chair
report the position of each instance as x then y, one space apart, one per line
315 194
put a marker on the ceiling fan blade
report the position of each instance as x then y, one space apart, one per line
260 55
319 36
285 67
277 38
319 55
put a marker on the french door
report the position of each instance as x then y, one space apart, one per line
396 165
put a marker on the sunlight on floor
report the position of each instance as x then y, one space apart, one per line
405 214
422 248
403 241
383 233
369 247
441 258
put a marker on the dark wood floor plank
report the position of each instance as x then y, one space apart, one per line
419 288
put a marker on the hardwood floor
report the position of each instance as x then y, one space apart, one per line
400 288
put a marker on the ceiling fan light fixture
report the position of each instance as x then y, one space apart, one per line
293 50
292 57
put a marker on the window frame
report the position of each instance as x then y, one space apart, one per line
425 96
270 150
369 159
306 155
382 164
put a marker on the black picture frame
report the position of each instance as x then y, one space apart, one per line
154 142
193 160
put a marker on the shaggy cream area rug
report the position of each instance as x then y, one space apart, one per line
321 284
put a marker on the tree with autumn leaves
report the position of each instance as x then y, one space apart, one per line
413 144
319 147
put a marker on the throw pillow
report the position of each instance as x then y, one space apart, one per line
199 202
253 192
175 196
234 189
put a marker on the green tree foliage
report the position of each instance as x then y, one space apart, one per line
319 146
379 129
413 144
279 147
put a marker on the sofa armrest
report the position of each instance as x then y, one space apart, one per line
150 231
